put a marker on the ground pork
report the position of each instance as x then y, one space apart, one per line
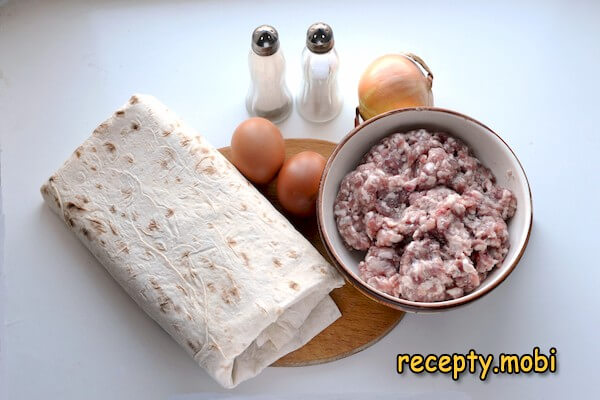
428 214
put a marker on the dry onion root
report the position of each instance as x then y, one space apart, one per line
394 81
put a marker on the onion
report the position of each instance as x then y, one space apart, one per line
394 81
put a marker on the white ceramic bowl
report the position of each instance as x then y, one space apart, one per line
491 150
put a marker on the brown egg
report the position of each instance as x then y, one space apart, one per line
298 183
257 149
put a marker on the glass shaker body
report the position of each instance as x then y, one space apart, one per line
319 99
268 95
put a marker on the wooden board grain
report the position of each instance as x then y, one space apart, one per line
363 320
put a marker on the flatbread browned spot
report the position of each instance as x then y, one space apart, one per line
152 225
185 141
97 225
82 198
190 344
169 213
101 129
231 241
98 186
230 295
294 285
113 209
246 259
166 304
122 247
182 289
167 133
277 262
133 100
135 126
73 206
120 113
209 170
154 284
129 270
110 147
225 297
113 229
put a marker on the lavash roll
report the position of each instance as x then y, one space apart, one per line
197 247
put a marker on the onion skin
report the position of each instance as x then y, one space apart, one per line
391 82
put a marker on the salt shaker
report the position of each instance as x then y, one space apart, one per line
319 98
268 95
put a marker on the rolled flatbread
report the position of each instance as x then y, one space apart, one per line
198 248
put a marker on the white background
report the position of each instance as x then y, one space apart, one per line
528 70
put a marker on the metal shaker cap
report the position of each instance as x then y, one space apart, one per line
319 38
265 40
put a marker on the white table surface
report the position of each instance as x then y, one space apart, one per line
528 70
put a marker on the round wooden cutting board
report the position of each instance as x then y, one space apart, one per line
363 321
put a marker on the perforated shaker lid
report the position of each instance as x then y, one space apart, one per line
319 38
265 40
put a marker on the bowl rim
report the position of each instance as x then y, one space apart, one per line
383 298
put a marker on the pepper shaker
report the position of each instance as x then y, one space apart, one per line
319 98
268 95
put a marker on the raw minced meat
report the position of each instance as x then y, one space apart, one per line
428 214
